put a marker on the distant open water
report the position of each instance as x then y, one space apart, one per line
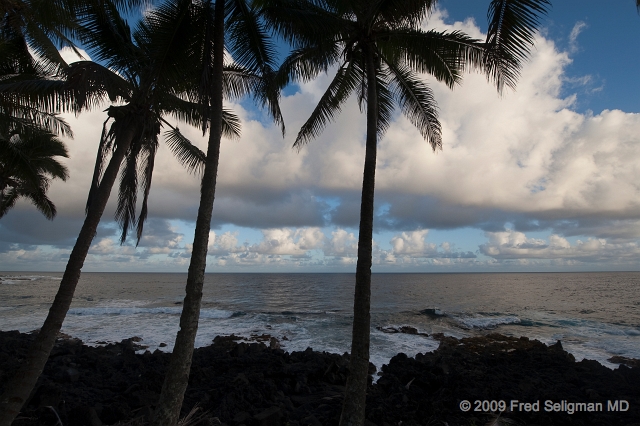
595 315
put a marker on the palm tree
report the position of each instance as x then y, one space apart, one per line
28 128
380 50
143 73
216 22
27 165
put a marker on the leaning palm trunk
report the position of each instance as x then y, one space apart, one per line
18 389
353 408
177 377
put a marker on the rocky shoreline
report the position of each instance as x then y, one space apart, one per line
256 384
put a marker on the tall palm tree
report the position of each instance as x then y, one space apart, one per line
142 72
234 26
381 51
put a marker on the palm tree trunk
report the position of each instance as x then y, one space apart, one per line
177 377
353 408
17 391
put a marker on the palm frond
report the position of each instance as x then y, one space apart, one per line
417 103
230 124
32 93
36 193
342 85
161 37
44 48
39 199
44 25
510 37
130 5
41 147
251 47
90 83
24 118
28 156
237 81
248 39
182 110
189 155
27 169
267 93
302 22
385 101
403 13
149 151
306 63
203 57
108 36
106 143
190 113
128 191
8 200
445 55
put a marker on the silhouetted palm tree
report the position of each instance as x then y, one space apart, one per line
381 51
142 72
28 126
233 25
27 165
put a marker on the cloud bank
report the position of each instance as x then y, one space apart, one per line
522 163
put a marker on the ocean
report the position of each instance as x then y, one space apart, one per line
595 315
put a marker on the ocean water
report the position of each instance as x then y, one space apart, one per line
595 315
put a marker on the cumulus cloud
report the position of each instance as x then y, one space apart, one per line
160 239
525 158
510 245
342 244
413 248
412 244
289 242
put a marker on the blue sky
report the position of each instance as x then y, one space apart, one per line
604 48
540 179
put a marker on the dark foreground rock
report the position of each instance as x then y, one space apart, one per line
257 384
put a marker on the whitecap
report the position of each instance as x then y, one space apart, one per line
126 311
487 322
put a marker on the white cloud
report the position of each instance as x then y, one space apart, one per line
524 152
412 248
575 32
412 244
289 242
526 156
342 244
513 245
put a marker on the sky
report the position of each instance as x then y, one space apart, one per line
543 178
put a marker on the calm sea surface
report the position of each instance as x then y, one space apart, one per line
595 315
